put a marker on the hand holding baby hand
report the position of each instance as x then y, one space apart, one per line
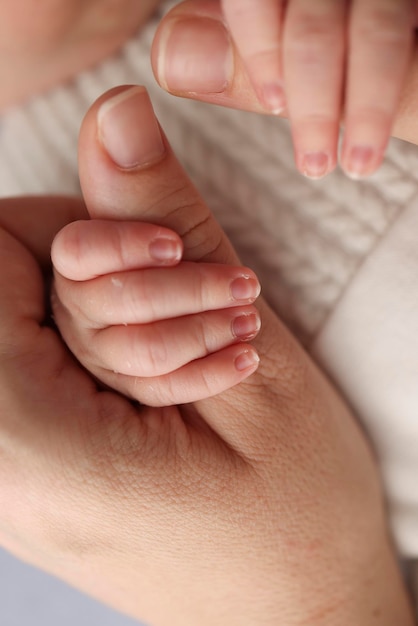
157 329
261 502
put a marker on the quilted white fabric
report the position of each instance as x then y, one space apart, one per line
337 259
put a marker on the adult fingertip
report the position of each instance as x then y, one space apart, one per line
129 130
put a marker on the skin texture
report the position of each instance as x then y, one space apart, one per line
225 499
44 42
251 500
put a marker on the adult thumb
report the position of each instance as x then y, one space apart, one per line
128 172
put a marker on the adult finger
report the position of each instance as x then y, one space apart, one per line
313 59
194 56
256 28
380 46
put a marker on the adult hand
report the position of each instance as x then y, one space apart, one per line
194 56
44 42
259 506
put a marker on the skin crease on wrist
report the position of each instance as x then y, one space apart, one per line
44 42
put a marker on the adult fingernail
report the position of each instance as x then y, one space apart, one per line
129 130
246 327
245 288
315 164
360 161
195 56
165 250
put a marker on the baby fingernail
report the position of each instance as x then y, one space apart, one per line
129 129
315 164
195 56
359 161
165 250
245 288
247 360
246 327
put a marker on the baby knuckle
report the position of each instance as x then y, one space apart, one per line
200 280
201 336
73 307
118 245
170 391
206 382
154 355
138 300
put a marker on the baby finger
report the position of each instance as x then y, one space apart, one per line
157 349
89 248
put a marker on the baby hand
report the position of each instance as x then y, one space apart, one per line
157 329
321 59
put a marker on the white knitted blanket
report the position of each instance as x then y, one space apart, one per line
314 245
